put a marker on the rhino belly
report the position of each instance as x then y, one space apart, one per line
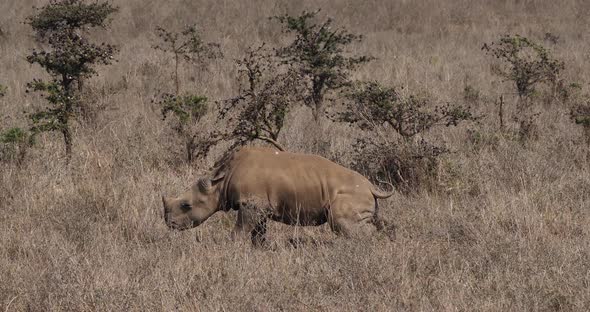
301 216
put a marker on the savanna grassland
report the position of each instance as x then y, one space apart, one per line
504 225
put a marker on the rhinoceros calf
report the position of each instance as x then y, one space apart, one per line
265 184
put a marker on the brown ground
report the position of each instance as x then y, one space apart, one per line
507 230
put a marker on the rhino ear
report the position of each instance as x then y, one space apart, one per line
204 185
165 204
218 176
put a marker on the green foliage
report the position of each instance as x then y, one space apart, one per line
268 91
70 15
3 90
187 44
319 52
68 58
186 112
372 105
13 135
526 63
186 108
14 143
56 116
394 147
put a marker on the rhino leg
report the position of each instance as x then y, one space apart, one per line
251 221
258 234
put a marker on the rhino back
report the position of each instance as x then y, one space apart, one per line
289 179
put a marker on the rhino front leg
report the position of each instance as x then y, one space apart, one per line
251 222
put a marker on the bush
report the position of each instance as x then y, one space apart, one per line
186 112
408 164
395 148
527 65
268 91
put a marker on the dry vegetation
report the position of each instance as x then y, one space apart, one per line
506 227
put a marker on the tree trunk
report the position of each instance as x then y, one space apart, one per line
318 97
501 113
190 149
318 105
316 113
176 81
68 142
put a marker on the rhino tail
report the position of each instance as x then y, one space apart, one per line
382 194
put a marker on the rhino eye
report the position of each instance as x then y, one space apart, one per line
185 206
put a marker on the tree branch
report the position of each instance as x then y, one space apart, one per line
271 141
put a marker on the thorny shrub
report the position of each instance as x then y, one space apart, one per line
268 91
527 65
395 148
186 112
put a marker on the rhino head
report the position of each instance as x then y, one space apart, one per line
193 207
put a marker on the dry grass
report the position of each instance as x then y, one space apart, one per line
509 231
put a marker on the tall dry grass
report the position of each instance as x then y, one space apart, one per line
508 228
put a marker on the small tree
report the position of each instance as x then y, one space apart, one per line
319 52
396 123
69 58
526 63
188 45
187 109
268 91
